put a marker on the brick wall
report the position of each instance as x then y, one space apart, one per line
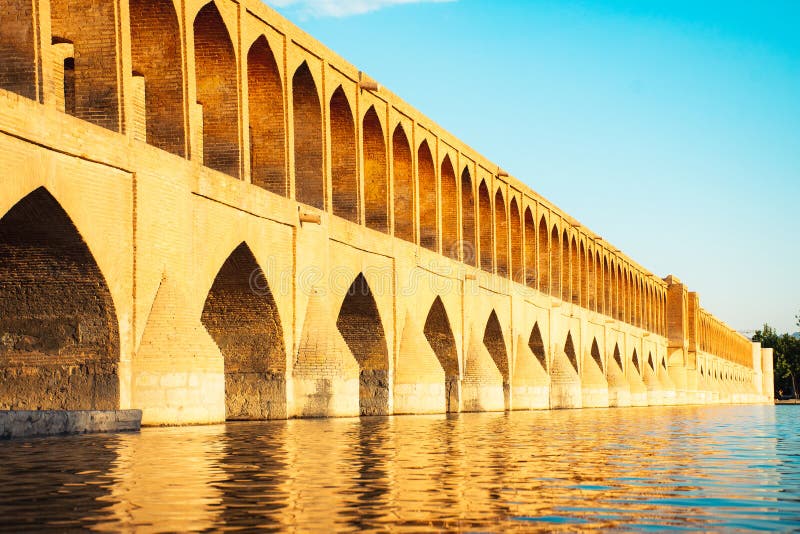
344 167
376 179
309 181
17 47
403 174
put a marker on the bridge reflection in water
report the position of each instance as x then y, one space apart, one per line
701 468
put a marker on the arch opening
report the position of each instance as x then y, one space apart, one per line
650 361
428 204
636 363
308 149
267 126
156 54
495 343
468 245
59 335
536 344
484 221
596 355
544 257
217 91
517 245
530 250
376 180
246 327
94 74
403 186
344 174
555 263
443 342
450 244
569 350
618 357
501 233
360 324
566 264
17 49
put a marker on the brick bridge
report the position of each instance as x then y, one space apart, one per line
207 214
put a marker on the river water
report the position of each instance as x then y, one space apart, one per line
695 468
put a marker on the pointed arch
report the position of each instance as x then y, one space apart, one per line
598 281
376 181
360 324
569 350
485 222
517 247
344 174
650 361
575 271
608 294
636 362
591 281
469 246
536 344
450 243
94 65
555 262
428 203
403 173
246 327
307 125
530 250
596 356
566 294
441 339
495 343
618 356
544 257
501 233
267 126
156 53
17 49
60 347
217 91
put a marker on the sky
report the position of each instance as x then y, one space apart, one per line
669 127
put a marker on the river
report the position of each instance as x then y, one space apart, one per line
694 468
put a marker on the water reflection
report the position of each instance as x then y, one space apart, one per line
700 468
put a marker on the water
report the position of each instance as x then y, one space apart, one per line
694 468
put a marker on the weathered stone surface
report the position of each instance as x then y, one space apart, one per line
29 423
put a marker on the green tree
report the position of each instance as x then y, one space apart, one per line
786 360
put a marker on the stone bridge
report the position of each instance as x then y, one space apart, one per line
208 215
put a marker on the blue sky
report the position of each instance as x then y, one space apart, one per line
671 128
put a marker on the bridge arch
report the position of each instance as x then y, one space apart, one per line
60 347
596 356
267 119
618 357
241 316
485 223
536 344
376 179
501 234
494 341
440 336
517 243
404 190
636 363
156 53
428 204
575 268
216 76
555 262
360 324
308 148
18 51
569 350
566 265
468 245
344 174
544 257
90 76
530 249
450 243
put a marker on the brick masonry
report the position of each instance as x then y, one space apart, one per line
207 214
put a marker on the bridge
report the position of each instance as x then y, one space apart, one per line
208 215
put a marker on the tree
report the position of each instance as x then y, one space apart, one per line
787 356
